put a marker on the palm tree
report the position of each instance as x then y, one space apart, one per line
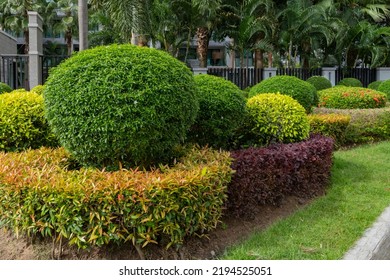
83 23
14 16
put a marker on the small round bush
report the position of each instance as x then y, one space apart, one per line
352 98
22 122
350 82
4 88
277 118
121 105
221 111
319 82
38 89
385 88
375 85
298 89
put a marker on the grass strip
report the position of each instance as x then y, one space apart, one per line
330 225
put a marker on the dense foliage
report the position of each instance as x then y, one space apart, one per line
221 111
121 104
266 175
277 118
350 82
366 125
300 90
375 85
319 82
331 125
385 87
39 197
4 88
22 122
342 97
38 89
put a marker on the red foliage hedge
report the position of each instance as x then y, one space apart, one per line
266 175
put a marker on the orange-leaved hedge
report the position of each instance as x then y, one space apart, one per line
39 196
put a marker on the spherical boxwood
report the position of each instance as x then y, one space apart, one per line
4 88
277 118
38 89
22 122
350 82
298 89
375 85
319 82
351 98
221 111
121 105
385 88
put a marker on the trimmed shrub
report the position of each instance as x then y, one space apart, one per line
92 207
221 111
298 89
4 88
121 105
350 82
366 125
331 125
277 118
267 175
22 122
38 89
319 82
385 88
375 85
351 98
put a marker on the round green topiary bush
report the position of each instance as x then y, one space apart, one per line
375 85
351 98
319 82
385 87
221 111
4 88
22 122
121 105
277 118
350 82
38 89
298 89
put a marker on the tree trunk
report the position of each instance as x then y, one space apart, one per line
202 34
83 24
270 59
68 39
259 59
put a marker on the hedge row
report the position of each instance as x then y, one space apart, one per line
38 196
266 175
366 125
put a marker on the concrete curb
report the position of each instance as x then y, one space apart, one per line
375 243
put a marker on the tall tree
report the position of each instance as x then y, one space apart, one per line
83 23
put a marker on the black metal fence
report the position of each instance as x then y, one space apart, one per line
48 62
300 73
14 71
242 77
365 75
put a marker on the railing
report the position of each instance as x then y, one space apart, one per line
242 77
365 75
301 73
48 62
14 71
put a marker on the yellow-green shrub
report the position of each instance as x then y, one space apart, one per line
38 196
22 121
38 89
332 125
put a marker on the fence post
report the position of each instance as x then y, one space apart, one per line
35 48
383 73
269 72
198 71
330 74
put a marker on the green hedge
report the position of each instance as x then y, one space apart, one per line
39 197
342 97
319 82
385 87
375 85
22 122
221 111
366 125
350 82
121 105
4 88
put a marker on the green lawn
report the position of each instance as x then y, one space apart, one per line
329 226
